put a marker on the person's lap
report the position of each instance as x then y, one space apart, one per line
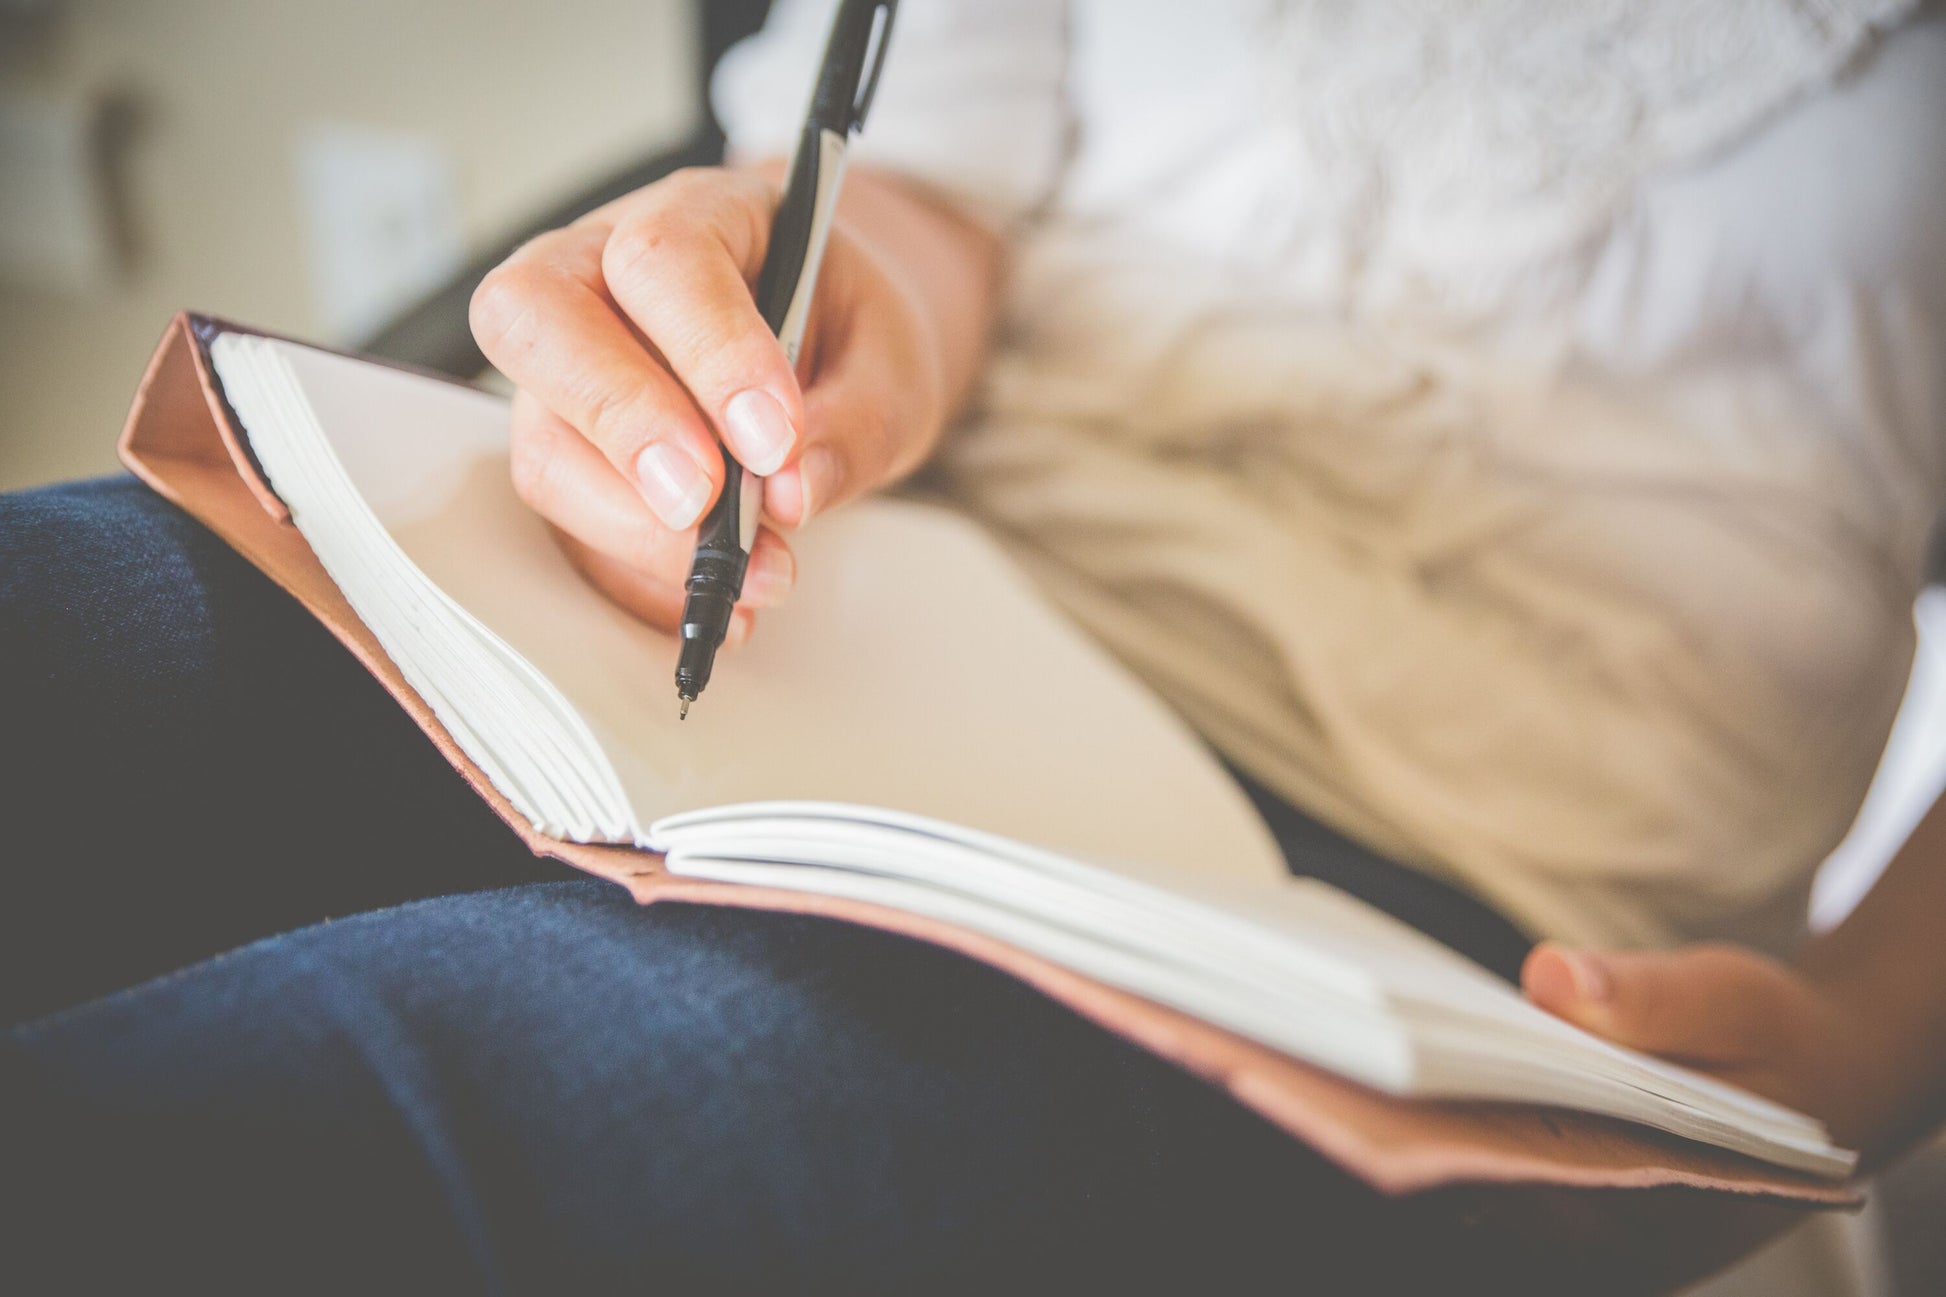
540 1086
195 763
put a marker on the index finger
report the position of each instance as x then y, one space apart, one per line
544 319
680 264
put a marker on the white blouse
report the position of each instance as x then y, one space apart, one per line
1511 430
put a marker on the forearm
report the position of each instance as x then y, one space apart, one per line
1884 969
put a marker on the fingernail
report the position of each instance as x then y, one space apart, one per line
1591 981
674 485
738 630
770 576
758 431
819 472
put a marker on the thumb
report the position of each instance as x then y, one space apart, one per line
1697 1003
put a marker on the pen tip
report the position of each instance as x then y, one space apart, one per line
682 708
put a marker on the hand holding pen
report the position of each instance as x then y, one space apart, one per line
639 352
853 59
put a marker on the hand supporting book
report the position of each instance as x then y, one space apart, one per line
618 447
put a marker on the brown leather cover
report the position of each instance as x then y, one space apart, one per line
181 439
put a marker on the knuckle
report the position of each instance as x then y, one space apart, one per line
610 416
712 351
713 209
1646 1001
639 251
503 303
1741 1000
532 465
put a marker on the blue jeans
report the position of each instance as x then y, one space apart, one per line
485 1073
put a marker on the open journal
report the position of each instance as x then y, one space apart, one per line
917 740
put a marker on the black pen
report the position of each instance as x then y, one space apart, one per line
846 80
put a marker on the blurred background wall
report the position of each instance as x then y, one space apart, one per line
294 165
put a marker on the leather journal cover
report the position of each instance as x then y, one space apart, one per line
182 440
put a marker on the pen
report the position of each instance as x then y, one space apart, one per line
847 79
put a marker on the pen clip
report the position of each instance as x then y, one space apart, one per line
875 43
853 59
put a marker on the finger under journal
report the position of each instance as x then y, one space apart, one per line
556 337
1709 1003
559 475
679 266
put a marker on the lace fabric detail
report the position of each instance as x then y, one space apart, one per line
1456 147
